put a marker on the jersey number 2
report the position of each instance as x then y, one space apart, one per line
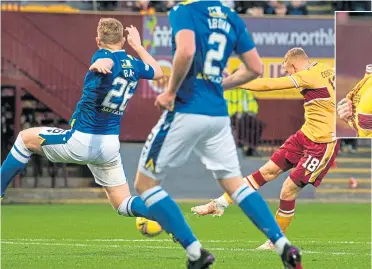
214 55
124 90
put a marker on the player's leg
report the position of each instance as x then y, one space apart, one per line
256 180
310 170
126 204
111 177
271 170
219 155
28 142
286 157
169 145
286 210
168 214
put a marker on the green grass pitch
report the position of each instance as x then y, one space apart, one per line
331 236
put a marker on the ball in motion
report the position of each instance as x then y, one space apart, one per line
148 227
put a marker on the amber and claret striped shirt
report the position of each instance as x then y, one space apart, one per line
361 98
316 84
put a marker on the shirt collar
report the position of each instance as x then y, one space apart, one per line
312 64
369 69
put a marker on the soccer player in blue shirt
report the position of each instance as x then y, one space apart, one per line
94 136
205 33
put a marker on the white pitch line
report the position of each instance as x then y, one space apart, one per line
169 240
174 248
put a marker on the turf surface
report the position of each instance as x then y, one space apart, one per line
332 236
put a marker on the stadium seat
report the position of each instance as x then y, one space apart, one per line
62 8
9 7
51 8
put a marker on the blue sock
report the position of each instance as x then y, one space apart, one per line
134 206
254 206
14 163
170 217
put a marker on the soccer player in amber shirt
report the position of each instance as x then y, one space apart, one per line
310 152
356 108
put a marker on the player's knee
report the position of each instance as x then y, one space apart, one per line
26 136
117 195
143 183
30 138
270 171
139 185
289 190
287 193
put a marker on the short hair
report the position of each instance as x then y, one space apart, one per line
295 53
110 31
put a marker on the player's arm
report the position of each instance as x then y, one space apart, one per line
183 58
102 65
134 41
252 64
345 109
270 84
184 33
183 30
249 70
365 109
302 79
345 106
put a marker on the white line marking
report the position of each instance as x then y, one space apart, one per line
168 247
169 240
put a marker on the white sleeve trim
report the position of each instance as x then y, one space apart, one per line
294 82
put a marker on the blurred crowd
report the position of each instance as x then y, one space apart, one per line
253 8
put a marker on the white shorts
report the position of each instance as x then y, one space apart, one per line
176 135
99 152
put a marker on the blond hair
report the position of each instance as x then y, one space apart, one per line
295 53
110 31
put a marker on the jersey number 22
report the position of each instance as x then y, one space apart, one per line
124 91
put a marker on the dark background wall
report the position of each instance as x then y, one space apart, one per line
53 52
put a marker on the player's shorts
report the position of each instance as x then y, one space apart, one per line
311 161
177 135
99 152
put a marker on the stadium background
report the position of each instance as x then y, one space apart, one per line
351 60
46 50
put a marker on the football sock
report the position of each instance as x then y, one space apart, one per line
224 200
14 163
257 210
133 206
285 214
255 181
169 216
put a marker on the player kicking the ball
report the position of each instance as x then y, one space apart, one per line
94 136
310 152
356 108
205 33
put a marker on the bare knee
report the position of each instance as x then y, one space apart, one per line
289 190
117 194
31 140
143 183
270 171
230 185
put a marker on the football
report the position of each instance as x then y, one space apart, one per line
148 227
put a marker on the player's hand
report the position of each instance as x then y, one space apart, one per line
133 37
345 109
102 66
165 101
